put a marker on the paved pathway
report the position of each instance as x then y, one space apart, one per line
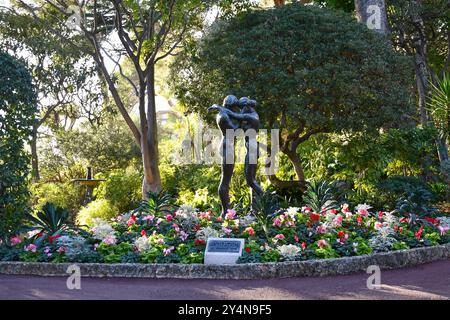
430 281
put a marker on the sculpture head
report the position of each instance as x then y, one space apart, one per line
230 102
246 103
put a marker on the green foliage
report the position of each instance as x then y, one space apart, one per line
264 208
100 208
309 68
52 220
439 105
17 116
157 203
418 202
122 189
66 195
319 196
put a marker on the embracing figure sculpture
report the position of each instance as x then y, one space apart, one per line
228 121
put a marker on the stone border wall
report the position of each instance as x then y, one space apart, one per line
309 268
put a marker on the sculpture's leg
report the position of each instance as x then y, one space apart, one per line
250 170
227 173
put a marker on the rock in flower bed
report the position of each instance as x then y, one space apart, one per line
149 235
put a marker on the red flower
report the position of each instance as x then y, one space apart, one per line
248 250
314 216
418 234
219 219
309 224
431 220
400 229
174 214
359 219
341 234
303 245
199 242
143 233
380 214
197 226
52 238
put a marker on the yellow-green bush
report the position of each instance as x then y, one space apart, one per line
100 208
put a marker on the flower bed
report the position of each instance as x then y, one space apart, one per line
180 235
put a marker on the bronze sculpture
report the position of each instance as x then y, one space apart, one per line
249 122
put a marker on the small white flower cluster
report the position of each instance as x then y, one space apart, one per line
292 212
288 250
143 244
187 216
444 222
102 230
208 232
247 220
72 244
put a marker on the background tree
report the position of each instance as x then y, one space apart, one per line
64 78
372 13
147 31
17 115
312 71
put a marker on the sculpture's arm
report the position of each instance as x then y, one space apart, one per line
241 116
215 107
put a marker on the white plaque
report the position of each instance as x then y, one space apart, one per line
223 250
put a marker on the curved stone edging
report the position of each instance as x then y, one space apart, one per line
326 267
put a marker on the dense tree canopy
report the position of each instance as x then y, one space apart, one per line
311 69
17 115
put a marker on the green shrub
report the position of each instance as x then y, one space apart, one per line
17 115
66 195
122 189
100 208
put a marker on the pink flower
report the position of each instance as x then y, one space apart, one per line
306 209
15 240
296 238
169 217
230 214
168 251
443 230
109 239
338 220
363 209
333 211
378 225
205 215
277 222
160 241
249 231
321 243
131 221
280 236
176 227
303 245
321 229
148 218
345 208
183 235
227 231
46 249
31 247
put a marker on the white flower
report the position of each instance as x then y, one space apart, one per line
187 212
101 229
291 212
142 244
247 220
288 250
208 232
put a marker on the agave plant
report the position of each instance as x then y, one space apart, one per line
265 207
319 196
52 220
157 203
439 105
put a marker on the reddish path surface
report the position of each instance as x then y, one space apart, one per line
430 281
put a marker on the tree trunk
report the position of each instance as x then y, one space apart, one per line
150 155
34 156
373 14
